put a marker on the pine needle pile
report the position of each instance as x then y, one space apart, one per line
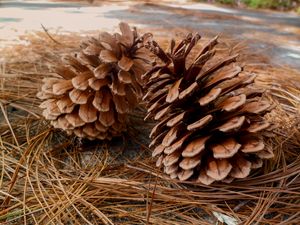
47 177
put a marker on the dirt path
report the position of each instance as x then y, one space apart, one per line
277 34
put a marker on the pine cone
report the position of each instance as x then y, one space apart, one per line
209 113
96 88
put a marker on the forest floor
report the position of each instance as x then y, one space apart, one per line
47 177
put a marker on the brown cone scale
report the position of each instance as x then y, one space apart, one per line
209 114
96 88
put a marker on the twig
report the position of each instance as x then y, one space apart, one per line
151 203
46 31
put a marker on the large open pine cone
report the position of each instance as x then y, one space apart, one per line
97 87
209 113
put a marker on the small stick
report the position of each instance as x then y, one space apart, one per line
46 31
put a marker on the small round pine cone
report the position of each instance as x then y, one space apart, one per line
209 114
95 89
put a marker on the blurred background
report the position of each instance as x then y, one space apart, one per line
270 26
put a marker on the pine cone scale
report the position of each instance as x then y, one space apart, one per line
102 70
79 97
125 63
81 82
200 123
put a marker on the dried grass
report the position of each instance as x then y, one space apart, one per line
49 178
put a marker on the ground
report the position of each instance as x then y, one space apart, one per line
47 177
